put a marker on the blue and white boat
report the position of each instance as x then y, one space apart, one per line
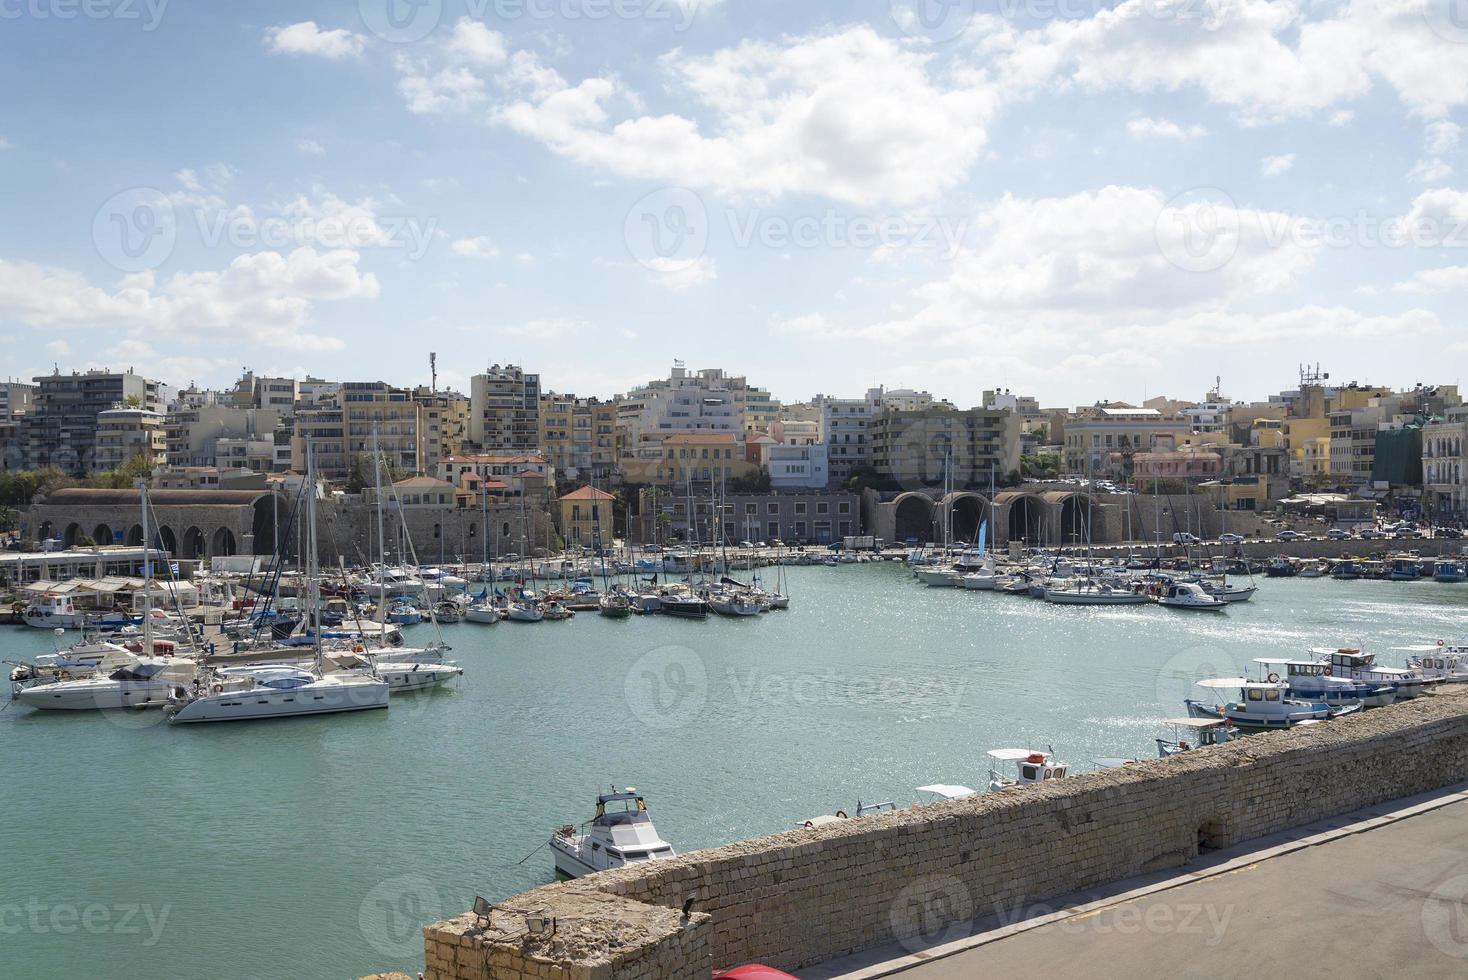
1405 570
1449 571
1311 680
1262 705
1439 662
1354 664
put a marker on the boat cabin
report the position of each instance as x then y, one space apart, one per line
1032 766
623 828
1193 733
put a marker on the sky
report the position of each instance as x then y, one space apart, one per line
1076 199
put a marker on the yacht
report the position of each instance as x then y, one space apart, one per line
621 833
1311 680
525 610
734 603
1353 664
482 611
1033 766
400 677
146 682
277 691
1088 593
614 604
1189 595
943 578
684 604
1262 704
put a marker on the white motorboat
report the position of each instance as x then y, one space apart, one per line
621 833
1190 596
1354 664
276 692
147 682
1262 704
1032 766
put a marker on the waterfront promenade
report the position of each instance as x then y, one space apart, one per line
1379 893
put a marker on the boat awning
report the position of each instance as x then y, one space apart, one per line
1014 755
948 792
1225 682
1196 722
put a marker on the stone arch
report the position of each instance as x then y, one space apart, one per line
222 545
263 525
1025 519
73 533
135 536
913 517
102 533
966 511
1076 514
167 540
194 544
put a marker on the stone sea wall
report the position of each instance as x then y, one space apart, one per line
805 896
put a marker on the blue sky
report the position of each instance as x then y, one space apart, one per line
1072 198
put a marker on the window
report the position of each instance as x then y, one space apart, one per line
772 508
822 507
800 508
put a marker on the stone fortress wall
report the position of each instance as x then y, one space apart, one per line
806 896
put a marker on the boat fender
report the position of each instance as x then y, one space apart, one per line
1440 643
217 689
1273 678
841 814
810 824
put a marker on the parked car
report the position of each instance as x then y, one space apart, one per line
1288 535
1370 533
1229 537
1448 532
1338 534
1184 537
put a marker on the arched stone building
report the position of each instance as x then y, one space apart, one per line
187 523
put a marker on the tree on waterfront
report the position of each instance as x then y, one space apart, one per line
127 475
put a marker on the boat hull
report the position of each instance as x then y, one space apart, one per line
257 704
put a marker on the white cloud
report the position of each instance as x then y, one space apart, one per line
1436 280
1430 171
5 144
263 298
551 328
59 348
481 247
476 43
305 38
310 148
1442 136
677 274
849 115
1442 212
1275 166
1146 126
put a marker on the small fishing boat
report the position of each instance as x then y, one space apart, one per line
1440 662
1312 568
554 611
1449 571
50 610
1262 705
621 833
1032 766
1282 566
1203 732
1405 570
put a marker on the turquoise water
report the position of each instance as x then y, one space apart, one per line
318 847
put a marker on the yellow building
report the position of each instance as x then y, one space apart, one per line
702 457
585 514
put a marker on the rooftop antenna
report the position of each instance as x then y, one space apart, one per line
433 371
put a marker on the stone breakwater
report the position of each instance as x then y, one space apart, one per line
805 896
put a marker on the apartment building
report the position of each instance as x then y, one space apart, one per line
125 433
1444 473
1101 440
942 444
504 410
60 429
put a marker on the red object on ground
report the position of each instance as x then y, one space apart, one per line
753 971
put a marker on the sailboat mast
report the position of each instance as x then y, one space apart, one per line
381 540
147 572
313 583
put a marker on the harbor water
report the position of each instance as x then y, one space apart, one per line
318 847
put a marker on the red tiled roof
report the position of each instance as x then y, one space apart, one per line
588 493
